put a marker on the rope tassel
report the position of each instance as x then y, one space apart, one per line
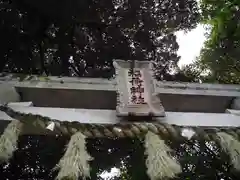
8 140
231 146
74 163
159 162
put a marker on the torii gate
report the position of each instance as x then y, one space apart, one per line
140 112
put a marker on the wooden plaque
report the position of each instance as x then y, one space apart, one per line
136 90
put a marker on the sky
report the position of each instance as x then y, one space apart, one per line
190 44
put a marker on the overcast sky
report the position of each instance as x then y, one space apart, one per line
190 44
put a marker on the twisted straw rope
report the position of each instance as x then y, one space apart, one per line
120 130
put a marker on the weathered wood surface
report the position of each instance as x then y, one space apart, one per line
8 93
105 84
72 92
136 94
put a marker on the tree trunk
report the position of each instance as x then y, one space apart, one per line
63 50
42 59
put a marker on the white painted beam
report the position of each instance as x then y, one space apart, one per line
233 111
198 86
4 116
72 92
203 92
24 104
109 117
110 85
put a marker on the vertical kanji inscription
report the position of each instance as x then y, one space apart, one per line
135 90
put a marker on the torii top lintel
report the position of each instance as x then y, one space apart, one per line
136 90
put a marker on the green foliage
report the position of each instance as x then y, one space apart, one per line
221 51
41 36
